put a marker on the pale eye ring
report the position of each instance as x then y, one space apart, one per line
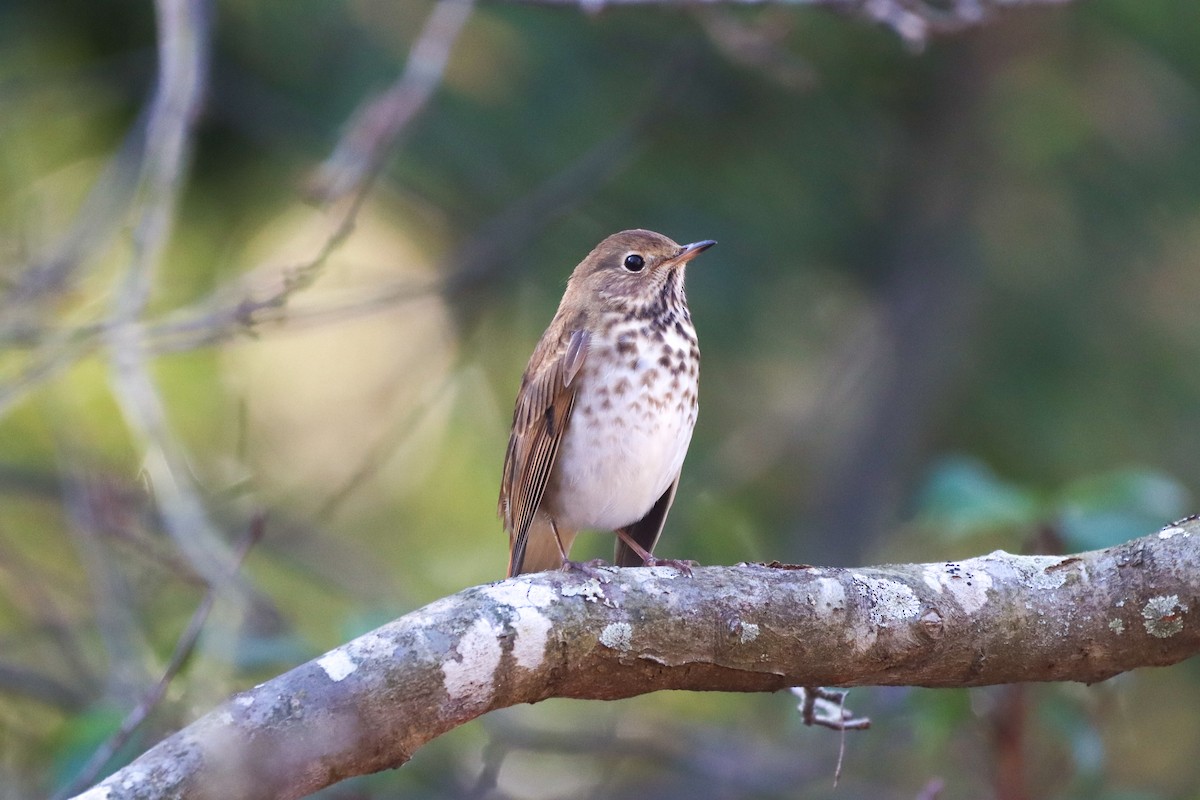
634 262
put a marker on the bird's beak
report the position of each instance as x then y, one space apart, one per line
690 251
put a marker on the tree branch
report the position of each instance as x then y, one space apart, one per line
1000 618
914 21
378 123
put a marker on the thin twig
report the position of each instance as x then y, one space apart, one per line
826 708
837 770
350 170
112 604
31 590
478 259
183 42
164 146
97 222
64 349
179 657
377 124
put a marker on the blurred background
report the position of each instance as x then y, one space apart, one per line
953 308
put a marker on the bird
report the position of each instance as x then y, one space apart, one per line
606 408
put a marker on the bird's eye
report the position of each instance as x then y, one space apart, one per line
634 262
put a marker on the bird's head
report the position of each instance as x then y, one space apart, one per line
632 270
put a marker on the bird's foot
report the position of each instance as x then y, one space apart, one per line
593 569
682 564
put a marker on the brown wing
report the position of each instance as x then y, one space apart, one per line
544 406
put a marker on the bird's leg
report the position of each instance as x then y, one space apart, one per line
589 568
562 551
648 559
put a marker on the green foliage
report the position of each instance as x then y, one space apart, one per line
963 498
82 737
1106 509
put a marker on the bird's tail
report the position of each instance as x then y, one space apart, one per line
537 550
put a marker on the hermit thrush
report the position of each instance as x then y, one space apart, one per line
606 407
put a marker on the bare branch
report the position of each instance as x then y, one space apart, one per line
378 123
349 170
179 657
182 67
111 595
163 148
237 311
369 704
357 158
95 225
26 586
56 352
183 41
914 21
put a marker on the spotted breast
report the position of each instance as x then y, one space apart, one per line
606 408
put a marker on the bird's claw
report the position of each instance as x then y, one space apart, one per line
684 565
593 569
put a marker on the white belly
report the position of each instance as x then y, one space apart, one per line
622 449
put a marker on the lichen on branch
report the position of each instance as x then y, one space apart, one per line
999 618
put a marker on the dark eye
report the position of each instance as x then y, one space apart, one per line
634 262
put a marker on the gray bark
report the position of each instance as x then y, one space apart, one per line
369 704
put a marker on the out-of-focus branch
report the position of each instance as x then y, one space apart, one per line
229 314
26 587
163 147
237 310
375 128
36 684
183 44
351 169
914 21
95 225
113 608
183 651
377 124
370 704
358 157
56 352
